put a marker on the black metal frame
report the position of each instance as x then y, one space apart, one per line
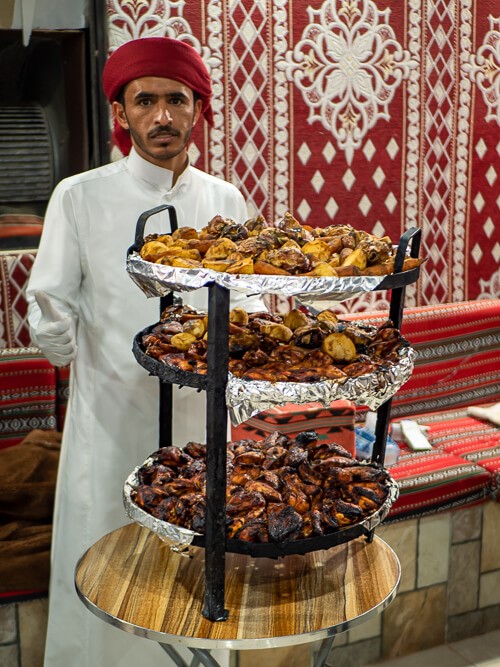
216 410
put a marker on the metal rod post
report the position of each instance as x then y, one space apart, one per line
324 651
215 525
166 393
204 657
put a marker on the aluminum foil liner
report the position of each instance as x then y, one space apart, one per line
180 538
246 398
159 280
176 536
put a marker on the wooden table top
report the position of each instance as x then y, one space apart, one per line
133 580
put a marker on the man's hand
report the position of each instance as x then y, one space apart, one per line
54 333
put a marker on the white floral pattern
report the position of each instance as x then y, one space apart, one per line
484 69
348 66
132 19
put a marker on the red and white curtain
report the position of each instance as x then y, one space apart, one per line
379 113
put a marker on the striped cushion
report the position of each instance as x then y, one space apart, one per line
458 356
474 440
435 481
27 394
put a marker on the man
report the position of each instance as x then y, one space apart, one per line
85 309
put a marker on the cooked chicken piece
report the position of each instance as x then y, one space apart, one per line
284 525
146 497
244 503
289 259
269 493
257 224
172 456
312 524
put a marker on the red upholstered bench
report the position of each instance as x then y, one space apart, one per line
472 439
33 395
457 356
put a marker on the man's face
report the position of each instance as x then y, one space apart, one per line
160 115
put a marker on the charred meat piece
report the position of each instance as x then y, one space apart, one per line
172 510
312 524
243 503
256 357
284 525
250 458
146 497
172 456
196 450
269 493
254 531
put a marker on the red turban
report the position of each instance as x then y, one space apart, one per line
155 56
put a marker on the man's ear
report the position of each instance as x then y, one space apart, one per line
118 111
197 111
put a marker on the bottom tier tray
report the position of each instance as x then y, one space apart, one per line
181 538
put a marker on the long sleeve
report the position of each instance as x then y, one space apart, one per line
57 268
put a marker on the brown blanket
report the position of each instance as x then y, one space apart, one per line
27 485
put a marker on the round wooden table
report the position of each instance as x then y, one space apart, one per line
133 580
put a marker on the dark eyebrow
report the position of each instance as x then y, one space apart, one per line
145 95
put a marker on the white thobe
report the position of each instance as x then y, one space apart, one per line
112 417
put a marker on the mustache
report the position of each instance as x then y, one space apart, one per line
159 131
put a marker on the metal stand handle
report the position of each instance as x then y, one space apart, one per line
413 236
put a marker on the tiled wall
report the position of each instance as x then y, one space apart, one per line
22 633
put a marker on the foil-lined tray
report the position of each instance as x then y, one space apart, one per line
246 398
180 539
159 280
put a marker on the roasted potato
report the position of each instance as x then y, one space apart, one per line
322 269
265 268
185 233
194 327
153 250
339 347
221 249
182 341
279 332
220 265
379 269
349 270
166 239
317 250
185 253
183 262
291 244
244 266
238 316
166 260
201 245
327 316
355 258
295 318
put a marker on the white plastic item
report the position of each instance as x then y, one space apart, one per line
413 436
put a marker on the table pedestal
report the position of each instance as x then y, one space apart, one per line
134 581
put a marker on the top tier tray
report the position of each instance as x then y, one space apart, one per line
158 280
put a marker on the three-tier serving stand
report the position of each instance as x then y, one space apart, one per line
214 384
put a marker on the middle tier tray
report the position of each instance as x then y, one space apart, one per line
246 398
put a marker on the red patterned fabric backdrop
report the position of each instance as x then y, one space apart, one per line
380 113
